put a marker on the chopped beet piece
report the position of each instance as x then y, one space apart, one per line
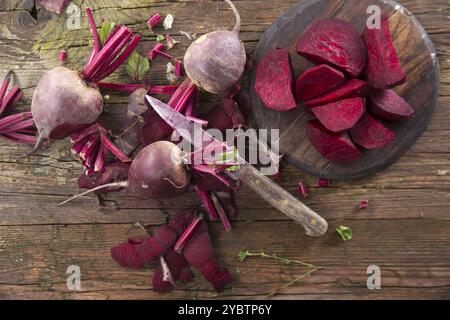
303 189
225 115
324 183
334 42
364 204
198 252
179 270
274 81
350 89
134 254
371 134
112 172
336 147
316 81
56 6
340 115
388 105
383 66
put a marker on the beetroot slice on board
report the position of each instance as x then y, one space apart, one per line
336 43
371 134
383 65
336 147
350 89
340 115
274 81
388 105
316 81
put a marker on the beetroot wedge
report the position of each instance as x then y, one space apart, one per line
371 134
336 43
383 66
341 115
388 105
274 81
350 89
316 81
336 147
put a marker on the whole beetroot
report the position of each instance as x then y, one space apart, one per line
216 60
66 101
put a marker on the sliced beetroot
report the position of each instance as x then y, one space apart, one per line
274 81
112 172
179 270
388 105
336 43
350 89
336 147
139 252
383 65
225 115
316 81
340 115
371 134
198 252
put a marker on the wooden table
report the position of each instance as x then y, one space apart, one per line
405 231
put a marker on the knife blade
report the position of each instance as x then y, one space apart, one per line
279 198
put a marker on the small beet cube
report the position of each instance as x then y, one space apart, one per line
340 115
336 147
274 81
316 81
334 42
371 134
388 105
350 89
383 66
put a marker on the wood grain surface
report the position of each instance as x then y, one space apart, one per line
405 230
418 58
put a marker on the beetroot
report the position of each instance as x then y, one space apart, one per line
274 81
334 42
158 171
383 66
67 101
225 115
340 115
371 134
336 147
316 81
350 89
388 105
136 253
215 61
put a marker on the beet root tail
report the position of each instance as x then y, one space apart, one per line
121 184
39 142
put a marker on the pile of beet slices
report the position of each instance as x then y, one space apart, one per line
348 91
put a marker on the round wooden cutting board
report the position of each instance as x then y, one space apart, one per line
421 89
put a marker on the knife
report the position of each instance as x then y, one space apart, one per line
279 198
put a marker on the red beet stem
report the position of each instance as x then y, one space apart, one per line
85 133
63 56
114 149
124 87
89 147
154 21
4 87
324 183
222 214
101 158
97 44
20 137
206 200
8 121
10 100
18 126
364 204
179 69
163 89
153 53
187 234
303 189
201 122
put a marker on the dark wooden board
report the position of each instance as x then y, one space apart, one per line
421 89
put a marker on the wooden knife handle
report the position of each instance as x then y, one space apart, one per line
279 198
